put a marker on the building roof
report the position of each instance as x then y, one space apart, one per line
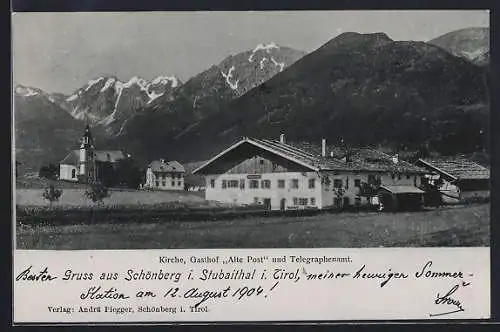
309 155
166 166
457 168
73 158
402 189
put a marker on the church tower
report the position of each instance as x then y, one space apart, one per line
87 162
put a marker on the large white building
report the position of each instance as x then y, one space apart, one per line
165 175
284 176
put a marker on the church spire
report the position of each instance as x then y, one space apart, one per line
87 140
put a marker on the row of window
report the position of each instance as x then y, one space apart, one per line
293 184
164 183
163 176
263 184
303 201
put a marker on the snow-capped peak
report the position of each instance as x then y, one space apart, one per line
267 48
91 83
109 83
135 80
165 79
26 91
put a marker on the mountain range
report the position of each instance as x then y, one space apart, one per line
363 88
472 44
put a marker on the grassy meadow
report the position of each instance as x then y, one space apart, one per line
445 226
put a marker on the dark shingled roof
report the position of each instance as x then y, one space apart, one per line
458 168
166 166
310 154
73 158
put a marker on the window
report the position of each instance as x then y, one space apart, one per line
212 183
281 184
233 184
424 180
179 183
163 176
347 183
393 176
295 184
337 183
313 201
242 184
73 173
357 183
357 200
295 201
312 183
261 161
408 177
266 184
303 201
399 176
157 183
164 183
173 183
224 184
254 184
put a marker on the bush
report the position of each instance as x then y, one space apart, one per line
97 193
52 194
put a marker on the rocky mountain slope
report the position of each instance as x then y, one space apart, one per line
43 130
472 44
365 88
109 102
170 117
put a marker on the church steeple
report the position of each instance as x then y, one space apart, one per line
87 140
87 164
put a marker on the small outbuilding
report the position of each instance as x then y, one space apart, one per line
399 198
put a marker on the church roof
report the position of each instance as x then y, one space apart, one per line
73 158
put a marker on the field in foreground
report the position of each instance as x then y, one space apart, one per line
445 226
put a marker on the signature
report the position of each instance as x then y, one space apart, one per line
448 300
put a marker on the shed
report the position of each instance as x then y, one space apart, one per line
398 198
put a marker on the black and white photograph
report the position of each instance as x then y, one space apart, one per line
251 129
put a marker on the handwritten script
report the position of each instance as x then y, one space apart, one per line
198 285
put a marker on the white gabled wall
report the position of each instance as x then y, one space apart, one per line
65 172
248 195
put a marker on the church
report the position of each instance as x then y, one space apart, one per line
88 165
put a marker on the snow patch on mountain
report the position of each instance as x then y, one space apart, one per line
262 63
164 80
280 64
91 83
26 92
109 83
263 47
153 95
473 55
228 78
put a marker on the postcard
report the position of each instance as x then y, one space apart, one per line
263 166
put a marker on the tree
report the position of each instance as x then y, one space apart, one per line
432 196
369 188
50 172
97 192
128 173
52 194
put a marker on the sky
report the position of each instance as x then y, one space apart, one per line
60 52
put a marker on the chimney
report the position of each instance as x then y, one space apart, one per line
323 147
395 158
282 138
162 161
